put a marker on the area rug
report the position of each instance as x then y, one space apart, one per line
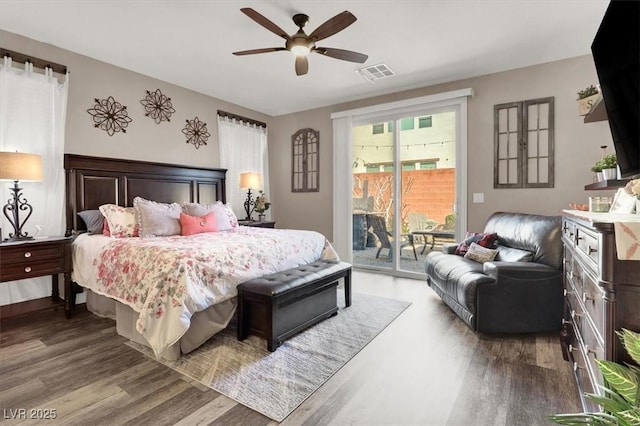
275 383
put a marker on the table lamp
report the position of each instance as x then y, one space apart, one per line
18 166
249 181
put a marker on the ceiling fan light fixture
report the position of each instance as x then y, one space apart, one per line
301 44
300 50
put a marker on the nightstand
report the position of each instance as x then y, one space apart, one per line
258 224
36 258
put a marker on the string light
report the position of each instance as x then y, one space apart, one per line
407 146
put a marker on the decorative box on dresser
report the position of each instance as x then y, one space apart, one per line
602 295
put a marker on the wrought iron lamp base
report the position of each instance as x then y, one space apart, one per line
12 212
248 203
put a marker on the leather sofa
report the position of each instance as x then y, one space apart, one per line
520 291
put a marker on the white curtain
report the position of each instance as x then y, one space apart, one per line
32 118
243 148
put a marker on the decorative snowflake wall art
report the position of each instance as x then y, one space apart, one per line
196 132
110 116
157 106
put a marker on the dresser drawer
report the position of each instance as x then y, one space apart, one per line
593 301
575 275
593 350
29 252
587 244
568 230
32 269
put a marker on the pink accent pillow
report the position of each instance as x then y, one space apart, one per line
105 229
198 224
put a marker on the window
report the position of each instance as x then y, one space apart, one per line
524 144
373 168
390 126
424 122
305 172
407 124
427 166
378 128
408 166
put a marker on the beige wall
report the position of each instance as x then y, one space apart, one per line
577 145
144 139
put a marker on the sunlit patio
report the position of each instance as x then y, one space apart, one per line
408 262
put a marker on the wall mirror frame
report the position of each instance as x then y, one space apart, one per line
305 161
524 144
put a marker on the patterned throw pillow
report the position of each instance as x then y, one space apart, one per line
198 224
157 219
484 240
122 220
480 254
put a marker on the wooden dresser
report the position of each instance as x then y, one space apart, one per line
602 295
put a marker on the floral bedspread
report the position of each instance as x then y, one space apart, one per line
168 279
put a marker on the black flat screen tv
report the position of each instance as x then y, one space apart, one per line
616 54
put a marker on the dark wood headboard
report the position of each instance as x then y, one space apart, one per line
93 181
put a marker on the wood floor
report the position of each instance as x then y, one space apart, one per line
426 368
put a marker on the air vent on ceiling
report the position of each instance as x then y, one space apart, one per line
376 72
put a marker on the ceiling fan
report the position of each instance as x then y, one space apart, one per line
301 44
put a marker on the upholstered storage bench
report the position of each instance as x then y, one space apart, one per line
279 305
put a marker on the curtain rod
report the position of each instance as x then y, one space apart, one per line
241 118
37 62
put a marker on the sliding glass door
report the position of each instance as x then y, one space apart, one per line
404 189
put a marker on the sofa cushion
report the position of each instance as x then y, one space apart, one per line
537 234
510 254
456 276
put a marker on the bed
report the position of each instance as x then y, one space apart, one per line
171 293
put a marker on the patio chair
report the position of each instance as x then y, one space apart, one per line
379 228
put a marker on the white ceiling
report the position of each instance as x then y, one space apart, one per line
189 43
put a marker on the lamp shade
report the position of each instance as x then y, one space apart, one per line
20 166
250 180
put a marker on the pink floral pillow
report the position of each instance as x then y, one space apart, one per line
231 215
122 220
196 225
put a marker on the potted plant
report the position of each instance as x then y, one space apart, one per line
609 167
587 99
620 399
597 169
262 205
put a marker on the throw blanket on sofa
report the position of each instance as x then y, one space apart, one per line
168 279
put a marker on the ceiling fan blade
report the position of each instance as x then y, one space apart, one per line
265 22
332 26
345 55
302 65
254 51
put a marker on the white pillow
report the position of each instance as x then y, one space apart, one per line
480 254
224 219
157 219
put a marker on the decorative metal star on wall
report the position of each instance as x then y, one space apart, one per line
158 106
196 132
110 116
